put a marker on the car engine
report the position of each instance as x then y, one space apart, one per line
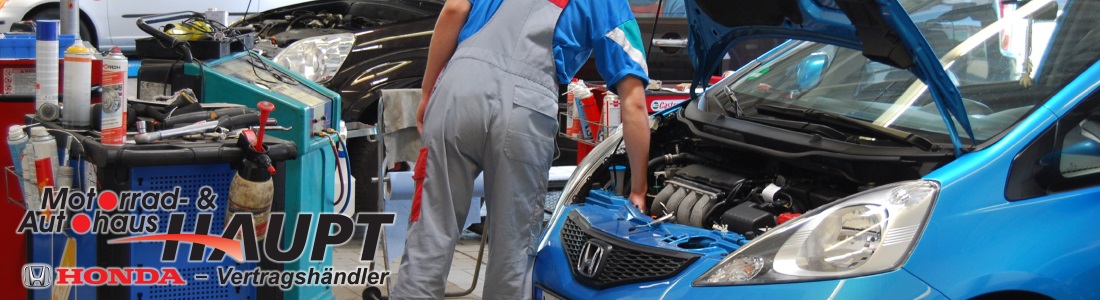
708 197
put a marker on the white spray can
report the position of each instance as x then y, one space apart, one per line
29 178
113 124
611 116
17 141
46 68
46 160
78 86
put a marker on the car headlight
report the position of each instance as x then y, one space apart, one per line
317 58
867 233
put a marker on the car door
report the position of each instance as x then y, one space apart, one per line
664 28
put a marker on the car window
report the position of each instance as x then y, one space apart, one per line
1065 157
995 91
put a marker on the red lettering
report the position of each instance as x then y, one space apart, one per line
171 277
69 276
119 276
95 276
146 276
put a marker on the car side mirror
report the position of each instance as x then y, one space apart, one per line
1049 164
811 69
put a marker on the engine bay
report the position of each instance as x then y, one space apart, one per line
702 182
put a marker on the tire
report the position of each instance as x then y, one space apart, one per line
364 166
372 293
55 14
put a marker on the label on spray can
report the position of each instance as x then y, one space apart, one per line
77 86
113 123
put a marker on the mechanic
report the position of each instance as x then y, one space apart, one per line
493 109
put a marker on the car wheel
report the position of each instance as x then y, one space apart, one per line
364 166
55 14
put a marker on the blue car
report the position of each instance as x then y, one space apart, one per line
891 149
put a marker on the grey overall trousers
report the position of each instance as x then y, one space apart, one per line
493 110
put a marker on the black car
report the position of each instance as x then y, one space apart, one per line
360 47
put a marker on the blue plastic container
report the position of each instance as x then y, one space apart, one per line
21 45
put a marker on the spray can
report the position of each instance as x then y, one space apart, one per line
46 69
45 157
17 140
572 123
113 120
611 116
589 111
29 184
78 82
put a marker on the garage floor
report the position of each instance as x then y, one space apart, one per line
462 269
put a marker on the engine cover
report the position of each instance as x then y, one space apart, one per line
692 193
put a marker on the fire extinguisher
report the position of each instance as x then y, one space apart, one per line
252 190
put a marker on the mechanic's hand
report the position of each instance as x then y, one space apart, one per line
638 200
420 113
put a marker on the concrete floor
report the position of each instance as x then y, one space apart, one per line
462 268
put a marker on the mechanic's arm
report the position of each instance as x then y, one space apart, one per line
442 47
635 119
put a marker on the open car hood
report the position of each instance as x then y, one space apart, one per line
881 29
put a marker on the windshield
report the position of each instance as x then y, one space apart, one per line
993 63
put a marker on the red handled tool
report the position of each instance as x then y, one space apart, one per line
265 108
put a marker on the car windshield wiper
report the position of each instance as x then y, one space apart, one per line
828 118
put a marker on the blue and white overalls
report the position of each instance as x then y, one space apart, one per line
494 110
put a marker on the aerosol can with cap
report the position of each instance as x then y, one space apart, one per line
45 158
78 86
113 121
46 70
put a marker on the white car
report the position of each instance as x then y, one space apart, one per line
107 23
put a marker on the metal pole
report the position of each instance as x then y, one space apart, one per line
70 18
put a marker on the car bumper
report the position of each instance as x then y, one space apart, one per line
554 278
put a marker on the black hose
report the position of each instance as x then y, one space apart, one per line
672 158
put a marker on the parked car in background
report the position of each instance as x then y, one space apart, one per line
360 47
890 150
107 23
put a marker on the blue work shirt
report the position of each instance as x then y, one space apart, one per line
604 27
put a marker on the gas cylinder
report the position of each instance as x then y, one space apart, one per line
78 85
113 121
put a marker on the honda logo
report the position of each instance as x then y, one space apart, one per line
37 276
592 257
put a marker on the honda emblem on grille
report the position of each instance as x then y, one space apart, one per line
592 257
37 276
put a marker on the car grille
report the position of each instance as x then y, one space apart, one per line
626 263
